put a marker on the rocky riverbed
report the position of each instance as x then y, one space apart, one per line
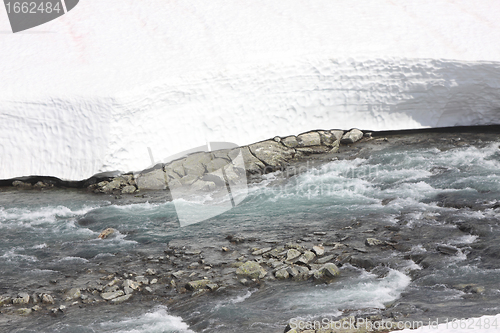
189 270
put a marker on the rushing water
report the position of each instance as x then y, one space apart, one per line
42 235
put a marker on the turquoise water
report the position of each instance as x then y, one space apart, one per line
44 234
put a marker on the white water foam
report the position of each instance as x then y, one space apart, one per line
365 291
12 256
157 321
34 216
73 259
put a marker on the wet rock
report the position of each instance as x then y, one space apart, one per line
112 295
121 299
114 282
331 270
178 274
447 249
106 233
40 184
115 184
261 251
292 271
479 230
282 274
292 254
325 259
18 183
470 288
294 246
352 136
431 260
362 262
4 300
318 274
129 189
47 299
252 270
141 280
306 258
24 311
327 138
35 299
129 286
303 273
492 251
361 249
212 286
192 252
128 290
199 284
22 298
373 242
73 293
319 250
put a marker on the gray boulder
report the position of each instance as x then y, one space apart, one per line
152 180
281 274
199 284
129 189
290 141
272 153
352 136
112 295
121 299
252 270
251 163
309 139
327 138
331 270
292 254
216 164
338 134
195 164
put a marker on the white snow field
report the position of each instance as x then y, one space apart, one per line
93 89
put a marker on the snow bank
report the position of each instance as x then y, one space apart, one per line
92 90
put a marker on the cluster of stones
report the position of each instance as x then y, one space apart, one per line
24 304
202 170
116 291
291 261
124 184
38 185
